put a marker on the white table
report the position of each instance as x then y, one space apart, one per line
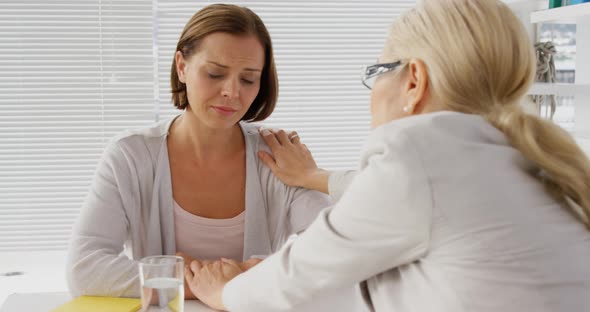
43 287
342 300
45 302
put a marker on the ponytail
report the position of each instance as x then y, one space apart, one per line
564 167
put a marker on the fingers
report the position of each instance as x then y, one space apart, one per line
191 271
215 268
187 259
277 138
188 274
268 160
232 263
229 261
294 137
248 264
253 261
196 265
270 138
282 136
230 269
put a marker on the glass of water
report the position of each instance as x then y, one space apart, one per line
162 284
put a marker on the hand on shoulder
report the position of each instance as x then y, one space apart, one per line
291 161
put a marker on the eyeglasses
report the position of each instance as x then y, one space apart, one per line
370 73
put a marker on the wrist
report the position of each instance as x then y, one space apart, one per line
317 180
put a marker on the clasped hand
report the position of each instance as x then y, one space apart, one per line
205 279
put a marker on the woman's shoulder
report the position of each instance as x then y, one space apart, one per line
250 131
441 141
140 144
253 139
156 131
255 144
444 128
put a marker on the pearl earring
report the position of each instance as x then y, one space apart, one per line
406 108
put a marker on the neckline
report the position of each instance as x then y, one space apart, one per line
196 219
249 163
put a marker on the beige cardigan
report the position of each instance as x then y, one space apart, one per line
444 215
128 214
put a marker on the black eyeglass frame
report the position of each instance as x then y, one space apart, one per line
375 70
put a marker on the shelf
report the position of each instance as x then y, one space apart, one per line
562 15
518 2
534 5
511 2
560 89
582 135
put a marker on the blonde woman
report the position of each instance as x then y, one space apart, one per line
463 202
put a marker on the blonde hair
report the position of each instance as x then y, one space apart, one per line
480 61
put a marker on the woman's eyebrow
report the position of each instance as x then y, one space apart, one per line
225 66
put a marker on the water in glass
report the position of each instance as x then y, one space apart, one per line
163 294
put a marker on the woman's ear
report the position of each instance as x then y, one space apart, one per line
180 66
417 87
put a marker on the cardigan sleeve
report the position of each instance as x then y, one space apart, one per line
304 208
381 222
96 264
295 207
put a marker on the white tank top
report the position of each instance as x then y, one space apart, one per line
204 238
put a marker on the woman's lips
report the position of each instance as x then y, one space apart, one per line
224 110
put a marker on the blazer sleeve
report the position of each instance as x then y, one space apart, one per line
382 221
96 264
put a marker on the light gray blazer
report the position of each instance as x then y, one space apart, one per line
129 207
444 215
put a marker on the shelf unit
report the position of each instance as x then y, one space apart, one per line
562 15
560 89
542 4
583 135
533 12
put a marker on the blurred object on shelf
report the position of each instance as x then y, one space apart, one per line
544 52
554 4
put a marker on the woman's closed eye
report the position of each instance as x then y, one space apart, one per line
215 76
248 81
250 78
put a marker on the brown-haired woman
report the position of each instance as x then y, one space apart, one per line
194 184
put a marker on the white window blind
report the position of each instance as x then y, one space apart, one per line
72 74
75 72
320 47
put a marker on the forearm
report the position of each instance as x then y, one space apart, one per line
317 181
100 274
96 262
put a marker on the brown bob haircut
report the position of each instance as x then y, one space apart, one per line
234 20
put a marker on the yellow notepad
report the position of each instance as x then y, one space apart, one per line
100 304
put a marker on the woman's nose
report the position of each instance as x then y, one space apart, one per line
231 88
